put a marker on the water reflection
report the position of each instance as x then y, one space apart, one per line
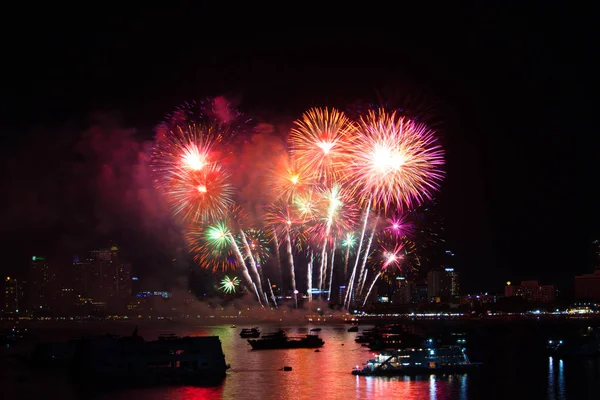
556 379
259 375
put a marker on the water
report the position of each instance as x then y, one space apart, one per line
515 368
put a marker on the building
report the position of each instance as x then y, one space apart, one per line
105 278
531 291
442 285
41 284
13 301
402 292
587 287
476 300
419 293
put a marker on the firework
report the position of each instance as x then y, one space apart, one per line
306 206
287 180
395 161
215 111
187 165
210 252
319 143
229 285
281 221
390 257
259 245
348 242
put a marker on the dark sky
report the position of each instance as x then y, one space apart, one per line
510 85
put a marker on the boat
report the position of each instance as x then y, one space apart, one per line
583 343
131 360
13 335
416 361
315 330
388 341
279 340
250 333
353 328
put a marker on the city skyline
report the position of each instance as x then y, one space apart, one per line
517 203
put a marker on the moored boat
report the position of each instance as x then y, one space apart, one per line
414 361
250 333
279 340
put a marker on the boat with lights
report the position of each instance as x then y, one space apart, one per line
415 361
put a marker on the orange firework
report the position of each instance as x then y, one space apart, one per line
287 180
319 143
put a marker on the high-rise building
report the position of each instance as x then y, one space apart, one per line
419 293
13 303
82 273
41 280
442 284
108 278
403 291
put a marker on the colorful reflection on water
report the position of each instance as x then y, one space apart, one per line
326 374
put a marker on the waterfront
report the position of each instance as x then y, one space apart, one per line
515 367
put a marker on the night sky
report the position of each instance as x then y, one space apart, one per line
509 89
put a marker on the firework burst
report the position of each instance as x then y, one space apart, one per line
259 245
229 285
287 181
395 161
187 165
319 143
209 246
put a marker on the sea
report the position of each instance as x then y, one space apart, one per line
515 365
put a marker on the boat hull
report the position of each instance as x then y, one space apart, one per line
408 371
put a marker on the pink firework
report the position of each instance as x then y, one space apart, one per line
319 143
187 165
399 225
396 161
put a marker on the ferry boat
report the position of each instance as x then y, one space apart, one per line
279 340
250 333
414 361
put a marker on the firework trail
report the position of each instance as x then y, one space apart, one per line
309 276
348 242
363 276
252 263
362 236
390 257
280 219
331 272
277 257
334 203
259 249
219 236
291 261
272 294
319 143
